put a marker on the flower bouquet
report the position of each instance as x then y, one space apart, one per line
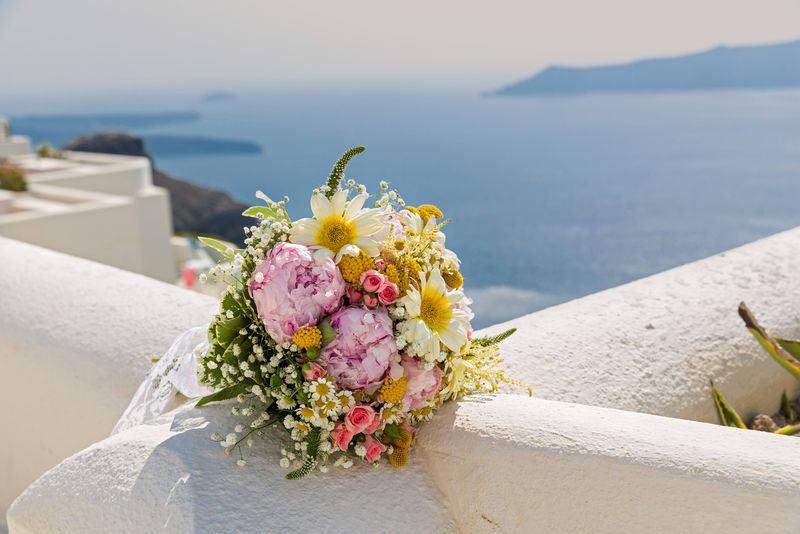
348 328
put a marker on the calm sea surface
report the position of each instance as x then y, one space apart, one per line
551 198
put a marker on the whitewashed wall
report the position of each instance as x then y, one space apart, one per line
76 338
507 463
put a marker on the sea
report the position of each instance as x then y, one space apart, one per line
551 198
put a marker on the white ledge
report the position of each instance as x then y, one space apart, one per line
505 463
653 345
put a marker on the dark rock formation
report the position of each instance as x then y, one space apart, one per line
195 209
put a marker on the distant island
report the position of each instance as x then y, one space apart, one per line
219 96
740 67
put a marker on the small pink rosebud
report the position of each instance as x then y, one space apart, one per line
360 418
380 263
342 436
370 300
388 293
372 280
374 448
316 371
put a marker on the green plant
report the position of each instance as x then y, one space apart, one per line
12 178
784 351
44 150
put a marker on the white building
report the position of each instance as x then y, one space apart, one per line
96 206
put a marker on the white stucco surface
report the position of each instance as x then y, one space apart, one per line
14 146
96 206
505 464
491 464
76 338
653 345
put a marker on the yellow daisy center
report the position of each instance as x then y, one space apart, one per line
334 233
435 310
322 389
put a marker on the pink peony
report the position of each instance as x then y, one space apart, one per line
388 293
291 291
374 448
358 357
341 436
421 384
315 371
372 280
360 418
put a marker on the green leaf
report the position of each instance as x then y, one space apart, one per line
310 462
789 430
154 360
392 431
262 212
226 330
778 353
792 346
245 346
328 333
219 245
786 408
312 353
302 396
727 414
493 340
275 382
227 393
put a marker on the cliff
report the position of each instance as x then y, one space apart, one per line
195 209
742 67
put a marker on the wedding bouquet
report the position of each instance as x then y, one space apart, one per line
348 328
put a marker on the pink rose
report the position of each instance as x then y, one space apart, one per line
358 358
388 293
421 384
372 280
291 291
353 295
341 436
370 300
375 425
374 448
380 263
359 418
315 372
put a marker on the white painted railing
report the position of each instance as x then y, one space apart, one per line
505 462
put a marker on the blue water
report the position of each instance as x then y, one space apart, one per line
553 197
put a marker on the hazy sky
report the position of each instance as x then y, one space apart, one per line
54 46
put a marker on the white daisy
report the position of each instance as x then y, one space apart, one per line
433 319
339 227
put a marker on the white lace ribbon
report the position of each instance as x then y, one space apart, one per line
175 373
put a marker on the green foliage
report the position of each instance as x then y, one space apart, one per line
328 332
786 408
262 212
310 462
228 393
789 430
727 414
792 346
12 178
778 352
44 150
392 431
218 245
337 173
493 340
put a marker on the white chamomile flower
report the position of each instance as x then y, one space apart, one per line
340 227
433 319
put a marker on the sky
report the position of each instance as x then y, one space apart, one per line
56 46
